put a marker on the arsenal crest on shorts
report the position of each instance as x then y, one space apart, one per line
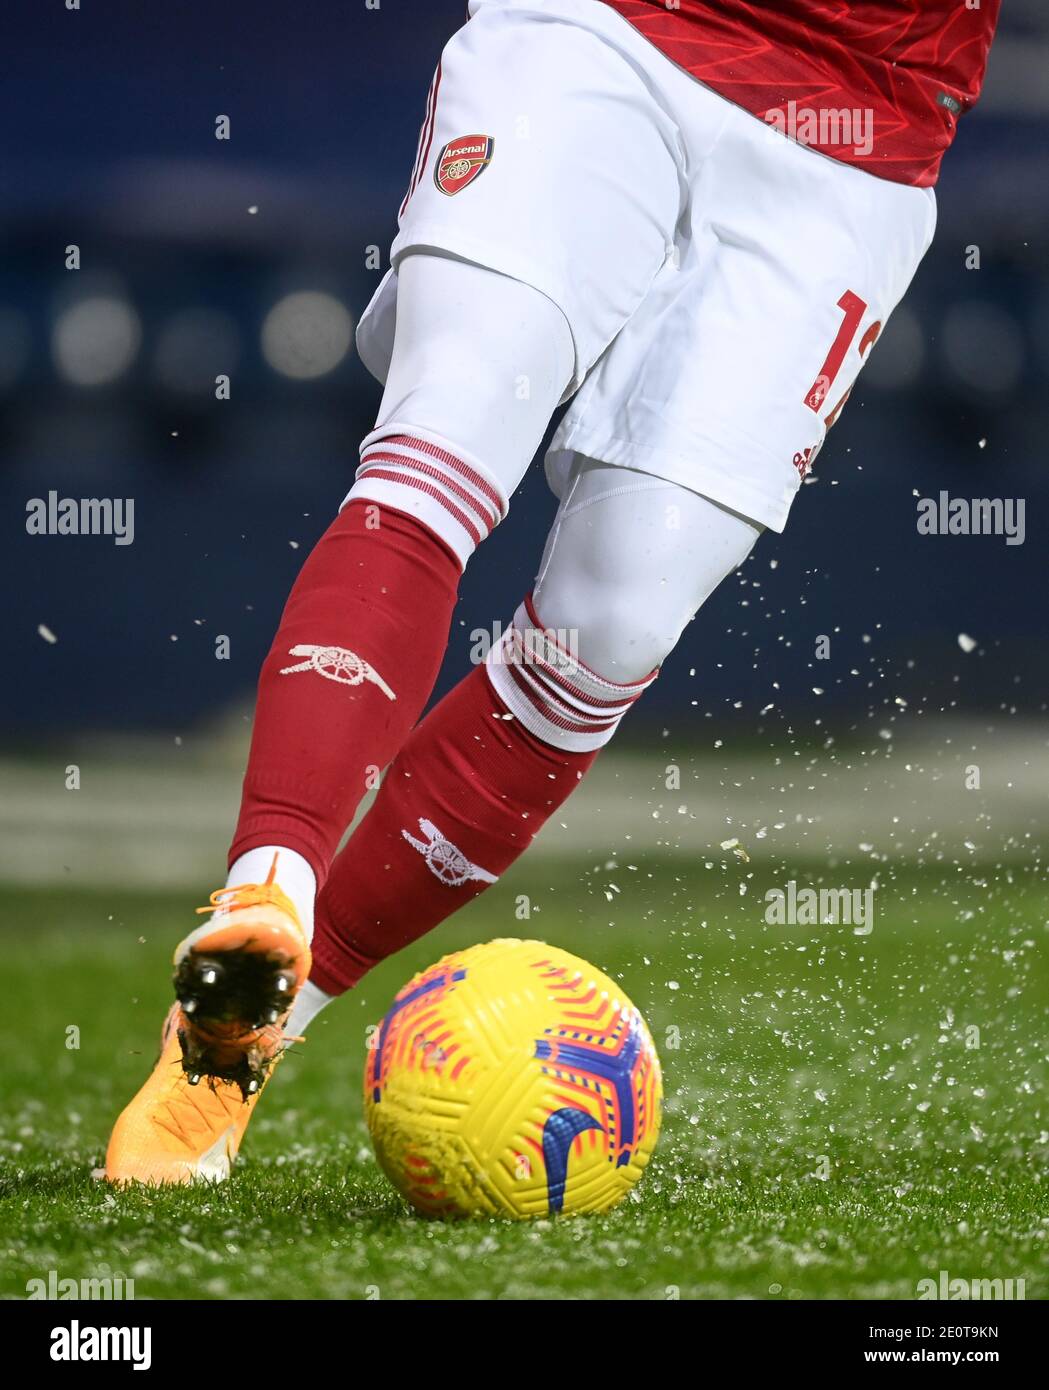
461 161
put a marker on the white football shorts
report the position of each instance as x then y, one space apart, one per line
723 284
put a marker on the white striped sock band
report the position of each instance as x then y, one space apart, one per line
433 481
556 698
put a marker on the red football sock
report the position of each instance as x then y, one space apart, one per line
353 663
463 799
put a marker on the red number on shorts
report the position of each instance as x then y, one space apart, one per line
854 308
866 343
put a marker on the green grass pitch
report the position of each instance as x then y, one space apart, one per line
844 1114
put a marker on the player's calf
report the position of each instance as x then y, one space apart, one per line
482 773
470 789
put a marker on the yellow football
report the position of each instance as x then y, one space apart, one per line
512 1079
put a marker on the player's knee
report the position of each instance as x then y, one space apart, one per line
624 638
623 580
611 621
554 693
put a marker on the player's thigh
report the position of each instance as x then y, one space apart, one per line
548 159
793 267
628 562
479 360
795 303
477 366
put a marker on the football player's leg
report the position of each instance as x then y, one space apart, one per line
572 192
569 200
353 662
629 561
364 630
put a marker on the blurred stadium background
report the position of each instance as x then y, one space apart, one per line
255 256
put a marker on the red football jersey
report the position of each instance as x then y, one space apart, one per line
877 83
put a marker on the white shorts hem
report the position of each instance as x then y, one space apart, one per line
715 483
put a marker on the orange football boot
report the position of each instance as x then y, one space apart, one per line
236 978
